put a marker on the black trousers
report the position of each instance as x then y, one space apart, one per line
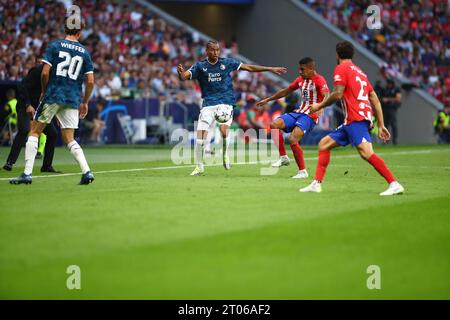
390 121
23 128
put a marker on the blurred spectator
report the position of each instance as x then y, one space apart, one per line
251 117
413 40
135 52
93 124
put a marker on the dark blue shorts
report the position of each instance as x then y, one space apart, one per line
354 133
301 120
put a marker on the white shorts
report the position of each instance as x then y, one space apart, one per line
68 117
206 117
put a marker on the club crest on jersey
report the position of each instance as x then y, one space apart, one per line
205 69
337 78
222 67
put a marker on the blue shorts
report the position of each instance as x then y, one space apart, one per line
354 133
301 120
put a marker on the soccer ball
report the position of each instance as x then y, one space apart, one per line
223 113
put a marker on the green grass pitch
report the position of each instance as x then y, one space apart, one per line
159 233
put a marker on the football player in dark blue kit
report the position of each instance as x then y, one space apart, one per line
67 64
214 77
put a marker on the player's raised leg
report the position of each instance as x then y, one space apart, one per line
325 145
366 152
277 136
296 136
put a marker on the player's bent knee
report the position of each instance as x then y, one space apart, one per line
365 155
293 139
323 144
277 124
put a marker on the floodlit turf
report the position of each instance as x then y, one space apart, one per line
162 234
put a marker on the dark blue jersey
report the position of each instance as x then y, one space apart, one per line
215 80
70 62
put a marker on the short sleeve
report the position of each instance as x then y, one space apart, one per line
88 65
322 85
194 70
294 84
234 64
339 76
49 56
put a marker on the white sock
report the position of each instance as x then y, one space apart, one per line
225 142
199 152
31 148
78 154
207 143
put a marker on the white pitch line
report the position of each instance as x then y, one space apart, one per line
217 164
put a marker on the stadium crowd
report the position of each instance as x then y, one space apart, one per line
414 39
135 52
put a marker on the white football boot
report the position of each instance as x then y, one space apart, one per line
283 161
199 169
394 188
315 186
302 174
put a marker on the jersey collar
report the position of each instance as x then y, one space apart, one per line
213 64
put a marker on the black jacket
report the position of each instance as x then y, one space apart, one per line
29 89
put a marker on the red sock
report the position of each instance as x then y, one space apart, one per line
381 167
298 155
279 141
322 164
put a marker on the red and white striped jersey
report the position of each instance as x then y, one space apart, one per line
312 91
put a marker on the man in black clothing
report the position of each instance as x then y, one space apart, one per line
391 101
29 91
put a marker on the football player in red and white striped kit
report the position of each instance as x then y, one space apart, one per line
359 101
314 89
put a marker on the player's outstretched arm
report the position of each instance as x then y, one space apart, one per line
280 94
254 68
338 92
383 132
88 87
183 74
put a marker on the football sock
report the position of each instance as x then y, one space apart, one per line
279 141
78 154
42 142
298 155
322 164
225 142
199 151
381 167
31 148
